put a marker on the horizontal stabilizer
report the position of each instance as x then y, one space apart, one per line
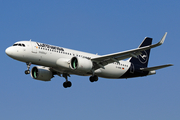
156 67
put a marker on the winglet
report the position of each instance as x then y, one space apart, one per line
162 40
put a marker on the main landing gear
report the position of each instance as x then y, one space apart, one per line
67 83
93 78
28 66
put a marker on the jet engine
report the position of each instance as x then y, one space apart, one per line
41 73
63 63
81 64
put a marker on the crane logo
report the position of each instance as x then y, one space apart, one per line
143 57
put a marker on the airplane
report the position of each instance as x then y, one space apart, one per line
54 60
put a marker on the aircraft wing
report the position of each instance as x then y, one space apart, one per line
116 57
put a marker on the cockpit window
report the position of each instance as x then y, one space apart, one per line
15 45
19 44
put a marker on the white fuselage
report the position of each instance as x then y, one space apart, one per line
48 55
54 60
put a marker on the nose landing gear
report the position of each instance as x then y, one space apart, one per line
28 66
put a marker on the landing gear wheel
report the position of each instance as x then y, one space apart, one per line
67 84
27 72
93 78
28 67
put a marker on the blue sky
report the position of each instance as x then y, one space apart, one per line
101 27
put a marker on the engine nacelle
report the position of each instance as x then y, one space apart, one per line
81 64
63 63
41 73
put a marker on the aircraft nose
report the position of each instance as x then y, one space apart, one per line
9 51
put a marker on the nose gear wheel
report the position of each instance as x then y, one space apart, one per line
28 67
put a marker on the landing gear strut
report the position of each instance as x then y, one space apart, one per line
67 83
28 66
